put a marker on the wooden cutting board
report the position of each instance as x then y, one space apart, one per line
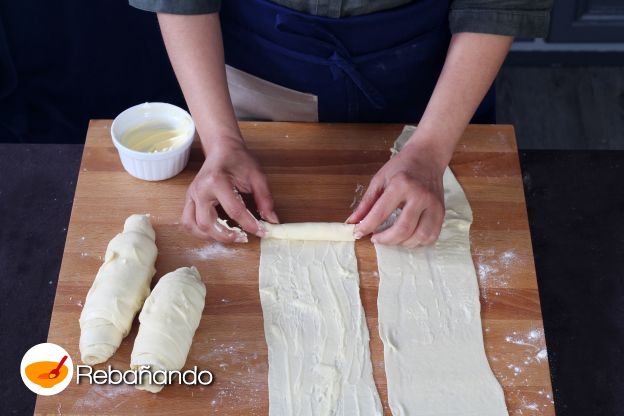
317 173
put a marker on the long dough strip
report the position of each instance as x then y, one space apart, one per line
118 291
169 319
430 323
315 231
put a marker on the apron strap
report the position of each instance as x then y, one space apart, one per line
337 56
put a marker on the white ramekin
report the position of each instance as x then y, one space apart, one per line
160 165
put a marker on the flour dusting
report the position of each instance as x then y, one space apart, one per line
101 397
493 268
357 197
529 339
235 378
212 251
530 352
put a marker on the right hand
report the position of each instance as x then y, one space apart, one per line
229 168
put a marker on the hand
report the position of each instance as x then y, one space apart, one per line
412 181
228 169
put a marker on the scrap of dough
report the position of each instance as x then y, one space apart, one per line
429 322
169 318
315 329
118 291
310 231
241 236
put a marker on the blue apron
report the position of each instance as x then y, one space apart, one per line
378 67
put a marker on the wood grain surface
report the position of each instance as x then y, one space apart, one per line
316 173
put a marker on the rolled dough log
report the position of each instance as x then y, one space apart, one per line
118 291
310 231
169 318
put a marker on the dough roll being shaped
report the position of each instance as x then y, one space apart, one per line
315 231
169 318
118 291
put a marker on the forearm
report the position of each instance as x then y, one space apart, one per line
195 47
471 65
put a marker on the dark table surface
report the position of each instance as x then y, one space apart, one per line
576 213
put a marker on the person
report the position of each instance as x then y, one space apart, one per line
427 61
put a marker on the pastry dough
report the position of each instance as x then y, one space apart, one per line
429 322
118 291
310 231
318 342
169 318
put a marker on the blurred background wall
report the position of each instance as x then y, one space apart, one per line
567 91
64 62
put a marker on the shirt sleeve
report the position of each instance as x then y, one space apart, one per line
178 6
519 18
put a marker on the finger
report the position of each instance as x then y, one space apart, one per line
381 210
189 221
368 200
403 228
188 214
205 215
210 225
200 220
412 242
264 200
234 206
429 226
206 218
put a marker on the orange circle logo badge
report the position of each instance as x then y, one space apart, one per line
47 369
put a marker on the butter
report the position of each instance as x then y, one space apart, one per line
154 136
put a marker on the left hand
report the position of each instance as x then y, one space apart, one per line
412 181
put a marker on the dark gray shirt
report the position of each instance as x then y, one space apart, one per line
520 18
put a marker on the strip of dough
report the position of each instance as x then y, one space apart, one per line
429 322
314 324
169 319
310 231
118 291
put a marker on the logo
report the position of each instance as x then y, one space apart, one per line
47 369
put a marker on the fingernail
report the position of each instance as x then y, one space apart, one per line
272 217
374 240
348 220
241 238
261 231
357 235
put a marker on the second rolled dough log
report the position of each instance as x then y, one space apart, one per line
118 291
169 318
